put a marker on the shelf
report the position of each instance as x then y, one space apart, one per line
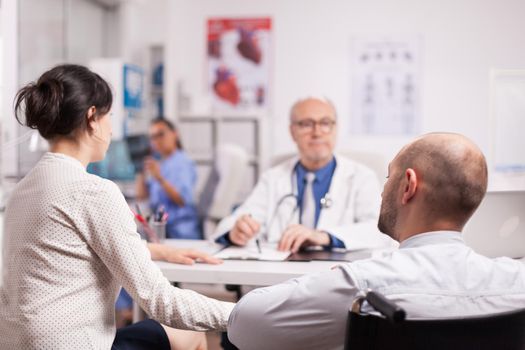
202 134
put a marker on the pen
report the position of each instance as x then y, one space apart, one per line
159 214
148 230
257 241
138 209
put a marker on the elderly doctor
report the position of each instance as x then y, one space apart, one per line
317 198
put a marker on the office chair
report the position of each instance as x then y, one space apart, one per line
221 189
392 331
374 161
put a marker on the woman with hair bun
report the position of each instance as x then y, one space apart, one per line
70 240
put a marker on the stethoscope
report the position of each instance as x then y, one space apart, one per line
326 202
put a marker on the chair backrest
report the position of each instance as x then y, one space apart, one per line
226 178
374 161
496 331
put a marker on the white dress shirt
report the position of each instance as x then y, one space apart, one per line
70 242
431 275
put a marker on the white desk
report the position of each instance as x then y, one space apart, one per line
256 273
247 273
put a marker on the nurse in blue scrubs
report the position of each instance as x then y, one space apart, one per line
169 180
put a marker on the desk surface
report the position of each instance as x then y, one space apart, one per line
256 273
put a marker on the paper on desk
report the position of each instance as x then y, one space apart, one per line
268 253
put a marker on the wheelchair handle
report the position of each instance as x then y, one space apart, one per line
387 308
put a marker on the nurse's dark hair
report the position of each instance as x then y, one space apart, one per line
171 126
58 102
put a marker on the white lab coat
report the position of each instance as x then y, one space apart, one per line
351 217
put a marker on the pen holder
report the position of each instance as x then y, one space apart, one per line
159 227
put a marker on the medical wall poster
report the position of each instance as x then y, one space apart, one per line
238 63
385 86
508 120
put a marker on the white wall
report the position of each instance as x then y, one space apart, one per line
51 32
4 61
56 31
143 24
86 31
9 15
462 41
134 27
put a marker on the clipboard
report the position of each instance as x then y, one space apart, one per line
269 252
330 255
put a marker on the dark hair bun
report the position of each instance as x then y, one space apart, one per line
42 103
57 104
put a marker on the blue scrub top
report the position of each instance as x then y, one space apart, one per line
179 170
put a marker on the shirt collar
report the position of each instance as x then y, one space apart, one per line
174 155
430 238
320 174
62 156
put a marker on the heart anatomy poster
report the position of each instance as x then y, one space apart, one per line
386 86
239 57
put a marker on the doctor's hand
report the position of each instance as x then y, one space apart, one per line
162 252
245 228
297 236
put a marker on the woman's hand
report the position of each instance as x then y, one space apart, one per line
161 252
153 168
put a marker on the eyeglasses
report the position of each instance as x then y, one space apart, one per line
308 125
157 135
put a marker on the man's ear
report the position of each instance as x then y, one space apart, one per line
410 183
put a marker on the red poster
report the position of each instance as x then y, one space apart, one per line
239 62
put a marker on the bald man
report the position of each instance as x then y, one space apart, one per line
434 186
316 198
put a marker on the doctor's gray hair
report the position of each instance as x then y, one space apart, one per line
322 99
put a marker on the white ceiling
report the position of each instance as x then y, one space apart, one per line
107 3
112 3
